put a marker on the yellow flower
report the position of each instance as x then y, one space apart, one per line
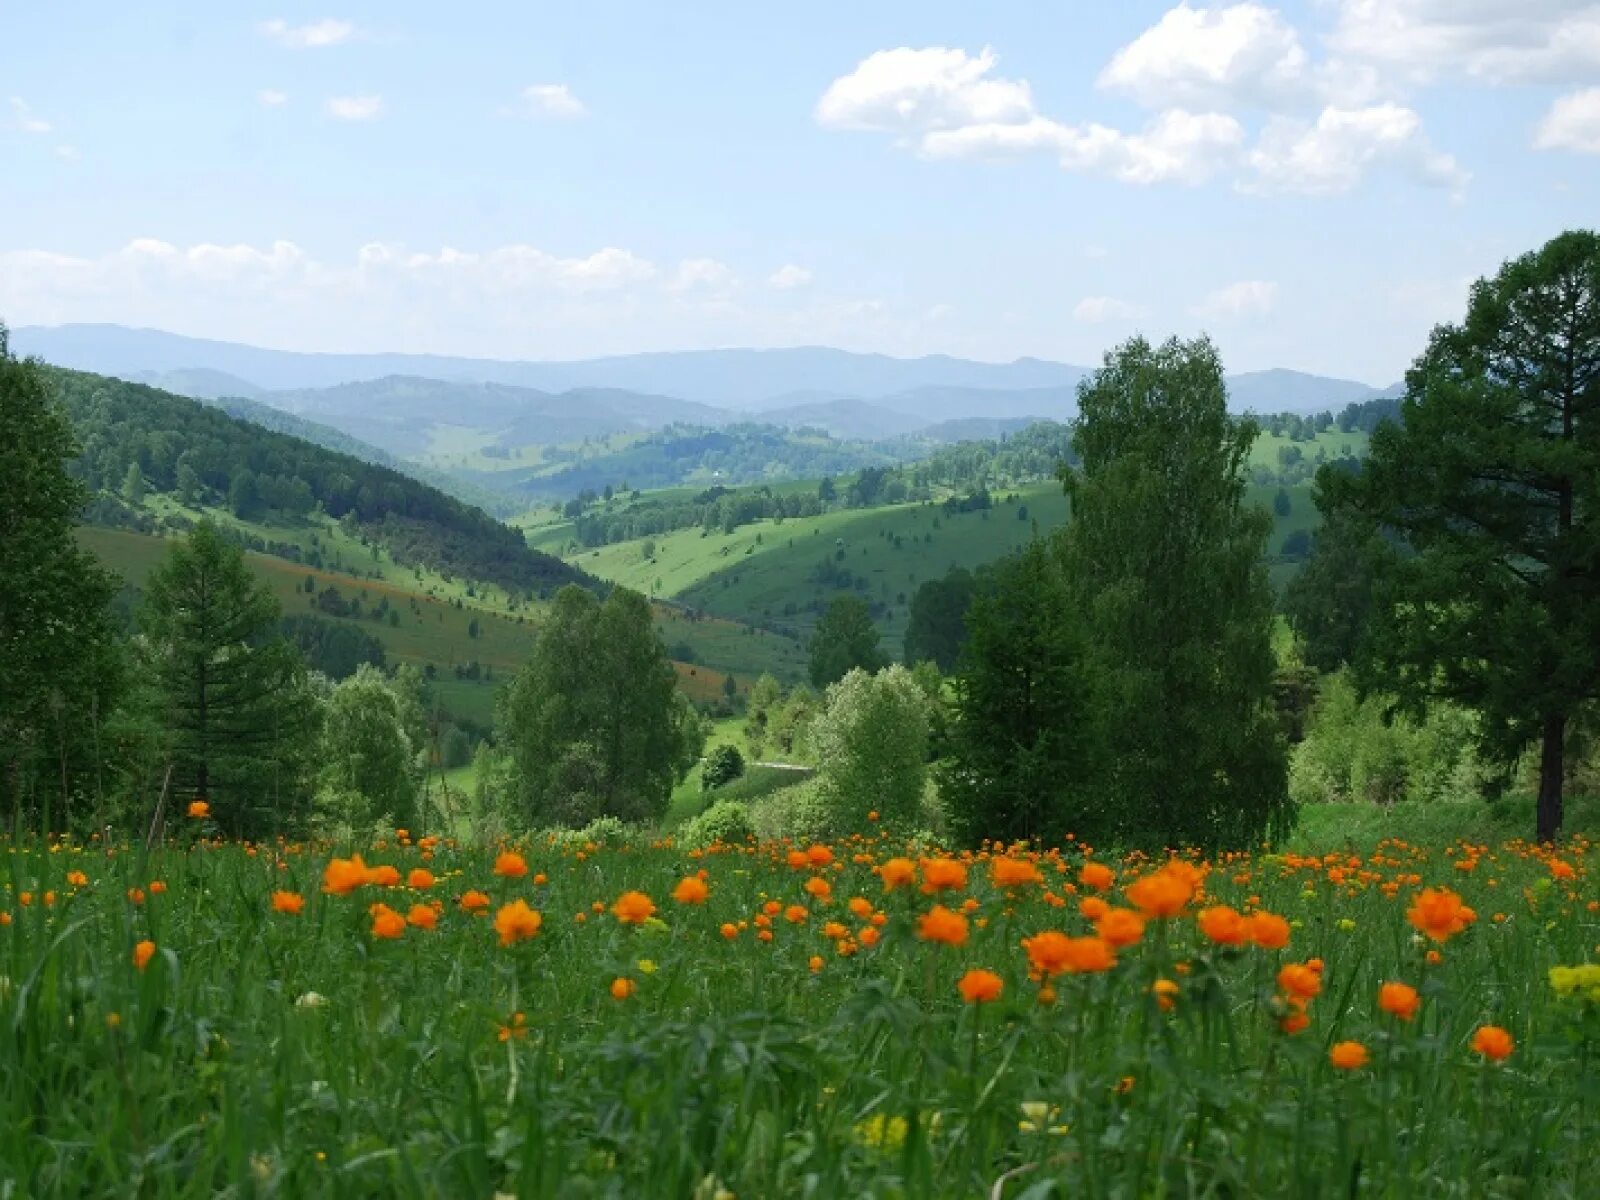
648 966
1037 1115
881 1132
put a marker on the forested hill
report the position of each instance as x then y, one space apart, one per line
196 451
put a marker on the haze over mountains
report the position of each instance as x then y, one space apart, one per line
398 402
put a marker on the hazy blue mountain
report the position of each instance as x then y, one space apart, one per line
961 403
856 419
198 383
1279 390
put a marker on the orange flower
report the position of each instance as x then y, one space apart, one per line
1093 908
1163 894
980 986
1097 876
384 876
1295 1021
819 887
819 856
897 872
729 930
1493 1042
199 809
420 878
1268 930
622 988
1299 981
1223 925
1439 913
1166 993
77 879
1399 1000
943 875
1348 1056
1087 954
475 902
510 865
518 1028
135 896
344 875
143 953
1013 872
860 907
288 902
633 908
1047 952
815 962
516 922
939 924
796 914
157 888
386 923
691 890
1120 926
422 917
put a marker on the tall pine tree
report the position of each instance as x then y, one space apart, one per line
231 692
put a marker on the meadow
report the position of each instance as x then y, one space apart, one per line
562 1017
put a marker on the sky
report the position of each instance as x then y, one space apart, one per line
1315 185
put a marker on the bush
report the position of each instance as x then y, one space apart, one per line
799 812
726 821
871 745
722 766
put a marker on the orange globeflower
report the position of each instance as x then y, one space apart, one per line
1493 1042
1120 926
943 875
980 986
143 953
1010 872
939 924
288 902
691 890
510 864
1047 952
384 876
897 872
1399 1000
475 902
1087 954
1097 876
420 878
77 879
344 875
633 908
422 917
1163 894
729 930
1299 981
1166 993
861 907
820 888
516 922
1093 908
1268 930
1439 913
386 923
796 914
1294 1021
622 988
819 856
1348 1056
1223 925
199 809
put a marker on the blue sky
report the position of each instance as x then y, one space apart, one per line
1313 184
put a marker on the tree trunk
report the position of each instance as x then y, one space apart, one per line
1550 776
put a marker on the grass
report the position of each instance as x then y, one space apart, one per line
798 1033
1361 827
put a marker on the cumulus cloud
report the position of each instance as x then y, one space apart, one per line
789 276
944 104
1097 309
355 108
1573 123
24 119
703 275
550 100
1247 298
1336 151
1214 57
314 35
272 99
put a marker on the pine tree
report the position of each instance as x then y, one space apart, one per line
844 639
231 692
58 657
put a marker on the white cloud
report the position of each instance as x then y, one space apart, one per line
1335 152
355 108
703 274
549 100
272 99
1573 123
1095 309
24 119
789 276
314 35
1247 298
1495 41
910 92
1214 57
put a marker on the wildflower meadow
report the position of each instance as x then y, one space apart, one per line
567 1018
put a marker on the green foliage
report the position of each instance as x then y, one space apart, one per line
1020 761
871 746
368 776
332 647
765 696
1330 602
59 666
937 629
845 640
594 723
722 766
1163 559
231 693
1491 481
726 821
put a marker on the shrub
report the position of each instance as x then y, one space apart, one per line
726 821
722 766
